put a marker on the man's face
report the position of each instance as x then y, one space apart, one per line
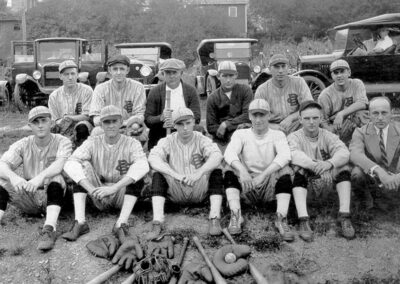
227 81
118 72
310 119
279 71
341 76
172 77
380 113
111 126
185 128
41 126
383 33
69 77
259 120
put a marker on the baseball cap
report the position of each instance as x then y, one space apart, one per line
119 59
278 58
259 105
182 113
172 64
227 67
110 111
339 64
67 64
39 111
309 104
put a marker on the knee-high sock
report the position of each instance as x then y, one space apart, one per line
158 208
344 191
52 212
300 199
215 204
233 197
126 210
80 207
283 200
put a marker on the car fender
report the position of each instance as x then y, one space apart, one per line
212 72
83 77
4 94
101 77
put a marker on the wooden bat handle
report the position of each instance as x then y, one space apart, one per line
257 275
129 280
105 275
218 279
174 278
168 105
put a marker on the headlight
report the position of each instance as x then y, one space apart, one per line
257 69
145 71
36 74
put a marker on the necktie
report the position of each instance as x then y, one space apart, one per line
383 150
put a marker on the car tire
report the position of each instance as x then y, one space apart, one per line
315 84
211 85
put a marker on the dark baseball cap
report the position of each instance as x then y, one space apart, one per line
122 59
309 104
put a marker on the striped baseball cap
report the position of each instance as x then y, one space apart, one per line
227 67
39 111
110 111
67 64
339 64
259 105
182 113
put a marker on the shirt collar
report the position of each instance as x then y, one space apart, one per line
385 130
177 88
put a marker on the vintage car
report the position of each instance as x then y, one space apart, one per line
212 51
145 59
34 68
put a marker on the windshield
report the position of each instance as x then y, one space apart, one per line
232 50
147 53
23 52
56 51
340 40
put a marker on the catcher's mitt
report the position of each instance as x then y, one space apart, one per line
155 269
239 265
104 247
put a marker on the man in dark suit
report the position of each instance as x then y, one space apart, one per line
375 151
158 116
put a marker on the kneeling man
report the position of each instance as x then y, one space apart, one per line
186 171
259 157
42 156
320 160
110 168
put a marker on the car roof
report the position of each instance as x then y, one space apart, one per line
143 44
60 39
382 20
215 40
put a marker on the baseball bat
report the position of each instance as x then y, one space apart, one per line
129 280
218 279
105 275
257 275
168 106
177 268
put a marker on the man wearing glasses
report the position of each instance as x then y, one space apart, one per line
343 102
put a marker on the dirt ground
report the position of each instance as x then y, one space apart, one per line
373 257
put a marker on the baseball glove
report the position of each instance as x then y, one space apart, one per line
164 248
238 266
195 273
155 269
130 250
104 247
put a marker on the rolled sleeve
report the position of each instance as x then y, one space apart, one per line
140 165
208 147
64 150
282 150
74 170
14 156
339 152
233 149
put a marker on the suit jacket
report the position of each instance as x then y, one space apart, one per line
364 146
155 106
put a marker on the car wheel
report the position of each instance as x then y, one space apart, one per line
211 85
316 86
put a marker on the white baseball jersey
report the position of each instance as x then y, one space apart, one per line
110 162
284 101
131 98
62 103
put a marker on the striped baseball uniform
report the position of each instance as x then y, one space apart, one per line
182 159
256 153
131 98
326 147
333 101
284 101
62 103
105 164
34 160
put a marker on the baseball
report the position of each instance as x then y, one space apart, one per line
230 257
135 127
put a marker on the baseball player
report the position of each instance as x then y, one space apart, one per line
42 156
284 93
110 168
343 102
127 94
320 160
186 171
69 105
259 158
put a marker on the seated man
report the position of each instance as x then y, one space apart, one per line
343 102
69 105
375 152
42 156
259 157
376 45
110 168
227 107
186 171
320 161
